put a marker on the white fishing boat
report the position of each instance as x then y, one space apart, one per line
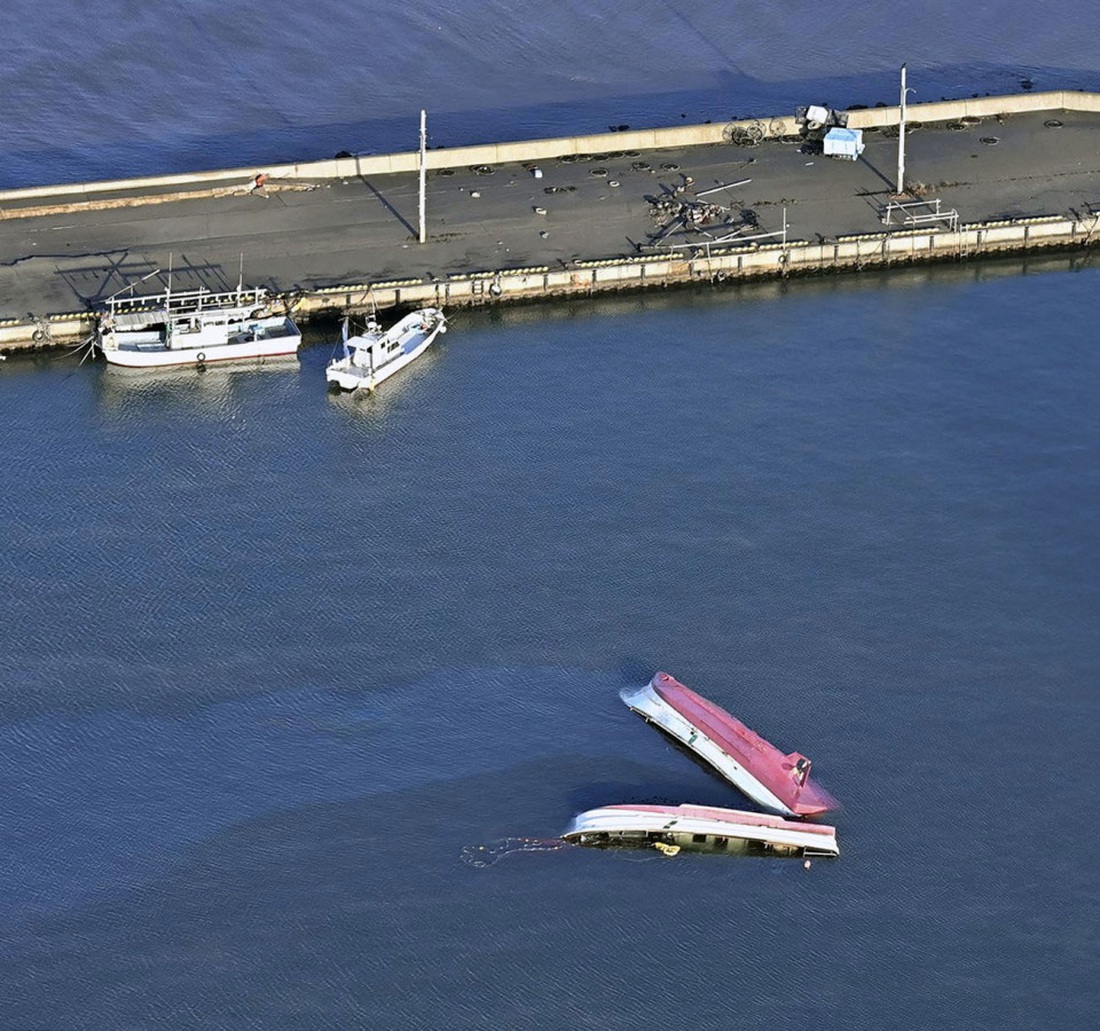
195 327
373 356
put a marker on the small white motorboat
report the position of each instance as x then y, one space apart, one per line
373 356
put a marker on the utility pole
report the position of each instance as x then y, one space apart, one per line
423 170
901 135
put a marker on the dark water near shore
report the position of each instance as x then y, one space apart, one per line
271 660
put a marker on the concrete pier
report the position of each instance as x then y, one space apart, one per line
986 176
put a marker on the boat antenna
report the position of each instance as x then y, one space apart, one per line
168 295
373 310
240 276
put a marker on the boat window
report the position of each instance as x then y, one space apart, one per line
698 838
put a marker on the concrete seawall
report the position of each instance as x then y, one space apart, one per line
585 278
797 257
521 151
594 273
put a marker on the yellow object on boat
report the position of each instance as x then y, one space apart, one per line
666 850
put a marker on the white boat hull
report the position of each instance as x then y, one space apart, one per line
148 359
654 709
706 828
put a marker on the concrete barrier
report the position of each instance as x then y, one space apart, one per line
583 278
522 151
977 107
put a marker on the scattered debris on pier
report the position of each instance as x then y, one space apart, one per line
678 207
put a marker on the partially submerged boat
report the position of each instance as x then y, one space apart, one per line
194 328
373 356
700 828
776 781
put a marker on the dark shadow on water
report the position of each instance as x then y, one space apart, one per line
635 671
725 795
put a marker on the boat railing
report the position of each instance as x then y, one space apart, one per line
189 302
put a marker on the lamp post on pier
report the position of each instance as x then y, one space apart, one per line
901 134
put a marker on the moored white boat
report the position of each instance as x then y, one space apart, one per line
700 828
194 328
374 356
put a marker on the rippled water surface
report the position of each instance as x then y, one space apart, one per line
127 88
275 664
273 660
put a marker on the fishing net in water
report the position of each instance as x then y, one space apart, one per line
486 855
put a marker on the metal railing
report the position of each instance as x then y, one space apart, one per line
910 215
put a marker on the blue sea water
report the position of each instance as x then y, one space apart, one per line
128 88
273 663
273 659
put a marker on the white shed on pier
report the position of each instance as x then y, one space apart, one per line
844 143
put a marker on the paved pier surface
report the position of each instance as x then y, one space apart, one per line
297 234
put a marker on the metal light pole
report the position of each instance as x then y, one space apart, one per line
901 135
423 171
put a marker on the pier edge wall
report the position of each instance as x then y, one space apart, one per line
586 278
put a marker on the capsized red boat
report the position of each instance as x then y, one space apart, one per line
776 781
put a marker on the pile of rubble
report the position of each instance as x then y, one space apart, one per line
678 206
